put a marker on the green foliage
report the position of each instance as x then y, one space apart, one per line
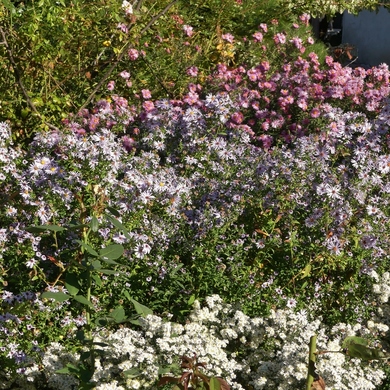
59 57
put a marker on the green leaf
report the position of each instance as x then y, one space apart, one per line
77 226
127 295
218 384
97 265
364 353
83 300
43 228
306 271
97 280
9 5
191 300
103 321
113 211
80 335
58 296
94 224
108 271
108 261
132 373
88 248
141 309
353 340
118 315
175 270
119 226
112 252
214 384
72 283
357 347
64 370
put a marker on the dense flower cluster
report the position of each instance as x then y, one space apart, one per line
264 187
264 352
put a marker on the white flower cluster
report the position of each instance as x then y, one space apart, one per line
382 286
265 353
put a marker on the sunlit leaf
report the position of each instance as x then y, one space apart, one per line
141 309
58 296
111 252
132 373
94 224
118 314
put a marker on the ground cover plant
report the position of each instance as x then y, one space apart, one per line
232 222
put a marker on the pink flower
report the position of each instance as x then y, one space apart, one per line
111 85
297 42
305 18
266 140
122 27
188 30
315 112
237 117
264 27
310 40
148 105
279 38
128 143
146 94
228 37
124 74
258 36
133 54
192 71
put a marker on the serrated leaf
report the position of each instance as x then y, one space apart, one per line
118 315
141 309
94 224
112 252
83 300
58 296
72 283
